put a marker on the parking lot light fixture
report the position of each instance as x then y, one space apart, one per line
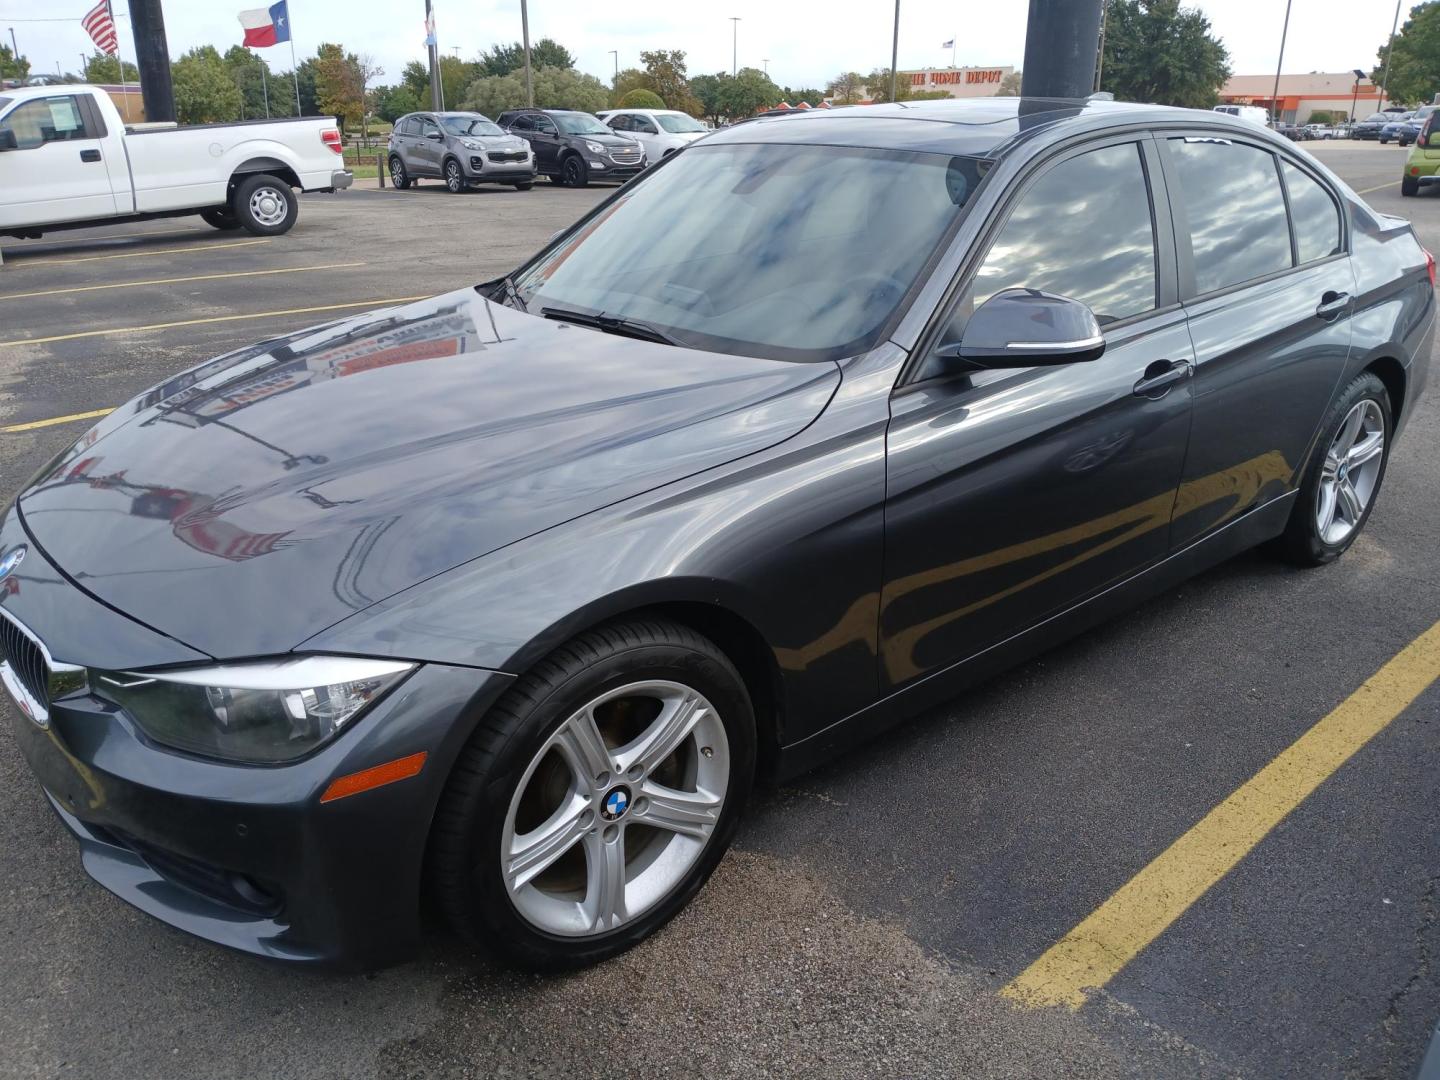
734 44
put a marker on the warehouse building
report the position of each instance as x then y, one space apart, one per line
1300 95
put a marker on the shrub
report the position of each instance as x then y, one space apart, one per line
640 98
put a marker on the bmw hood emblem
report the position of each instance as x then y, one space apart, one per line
615 804
11 561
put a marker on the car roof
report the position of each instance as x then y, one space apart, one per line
648 112
979 127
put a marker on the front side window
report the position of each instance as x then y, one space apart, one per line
522 123
45 120
796 252
1231 194
544 125
642 123
1314 214
619 123
428 127
678 123
1083 230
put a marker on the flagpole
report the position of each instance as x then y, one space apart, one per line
295 73
120 59
264 83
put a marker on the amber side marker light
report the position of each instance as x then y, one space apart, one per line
378 776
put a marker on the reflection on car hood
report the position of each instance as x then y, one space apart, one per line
247 504
499 142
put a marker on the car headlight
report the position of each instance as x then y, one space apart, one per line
264 712
594 148
471 144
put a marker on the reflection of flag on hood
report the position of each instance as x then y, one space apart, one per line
266 26
430 30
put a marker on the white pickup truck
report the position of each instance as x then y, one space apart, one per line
67 160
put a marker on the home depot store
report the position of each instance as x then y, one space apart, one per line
959 82
1300 95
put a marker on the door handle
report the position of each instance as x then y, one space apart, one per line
1160 376
89 155
1333 305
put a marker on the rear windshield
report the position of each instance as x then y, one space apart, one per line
470 125
781 250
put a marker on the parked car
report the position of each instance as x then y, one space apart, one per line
660 131
67 160
1320 131
505 596
1422 164
1250 113
1390 130
1293 132
461 148
1410 130
1370 127
573 148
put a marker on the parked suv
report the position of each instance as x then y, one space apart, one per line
573 148
461 148
660 131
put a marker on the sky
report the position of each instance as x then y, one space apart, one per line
805 43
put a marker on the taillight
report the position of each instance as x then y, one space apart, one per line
1429 265
331 138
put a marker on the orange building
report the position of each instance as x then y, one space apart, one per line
1300 95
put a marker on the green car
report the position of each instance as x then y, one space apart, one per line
1423 162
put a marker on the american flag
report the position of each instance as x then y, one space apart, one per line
100 25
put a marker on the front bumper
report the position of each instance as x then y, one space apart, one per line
478 166
247 856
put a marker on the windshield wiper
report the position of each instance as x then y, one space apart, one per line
511 292
611 324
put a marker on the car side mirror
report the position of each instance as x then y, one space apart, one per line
1020 328
435 136
7 140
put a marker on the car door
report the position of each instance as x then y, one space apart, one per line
55 171
644 131
1266 283
545 141
429 147
406 135
1014 494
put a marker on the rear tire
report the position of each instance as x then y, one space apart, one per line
224 220
530 752
398 176
1343 477
265 205
1409 185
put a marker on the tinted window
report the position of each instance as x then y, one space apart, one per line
1084 231
642 123
55 119
543 123
1238 228
619 123
428 127
799 252
523 123
1316 218
578 123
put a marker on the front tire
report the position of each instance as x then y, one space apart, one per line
1343 477
265 205
454 177
574 171
595 799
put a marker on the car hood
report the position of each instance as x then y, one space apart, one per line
248 504
610 139
498 142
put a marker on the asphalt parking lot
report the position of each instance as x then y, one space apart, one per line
873 911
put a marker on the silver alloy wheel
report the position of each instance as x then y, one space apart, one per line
268 206
452 177
1350 472
615 808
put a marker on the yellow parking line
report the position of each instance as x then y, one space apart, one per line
1093 953
178 280
141 254
211 319
52 239
33 424
1377 187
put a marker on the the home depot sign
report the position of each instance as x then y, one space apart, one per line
960 82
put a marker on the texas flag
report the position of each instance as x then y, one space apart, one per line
266 26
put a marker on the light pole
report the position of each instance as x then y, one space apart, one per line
766 62
615 83
895 53
525 33
1355 96
14 48
1275 97
1389 55
734 44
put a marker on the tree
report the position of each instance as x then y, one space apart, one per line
204 91
747 92
12 67
393 102
455 76
845 88
706 89
1323 116
665 74
503 59
102 69
555 88
1415 66
1158 52
794 97
640 98
339 90
1009 85
248 73
306 75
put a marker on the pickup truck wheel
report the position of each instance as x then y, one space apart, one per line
265 205
224 220
398 176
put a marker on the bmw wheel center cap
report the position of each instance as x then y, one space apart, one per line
615 804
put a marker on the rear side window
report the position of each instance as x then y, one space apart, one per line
1314 213
1231 194
1083 231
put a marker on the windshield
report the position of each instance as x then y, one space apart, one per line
793 252
470 125
1383 118
579 124
678 124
